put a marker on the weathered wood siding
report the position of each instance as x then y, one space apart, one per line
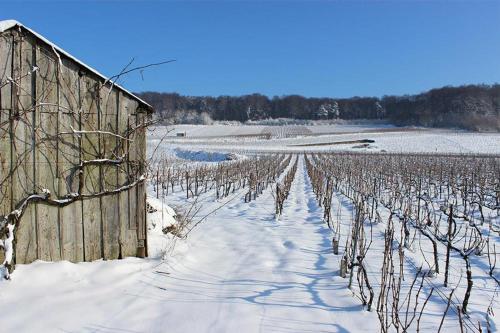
128 223
71 233
48 99
22 129
5 111
46 150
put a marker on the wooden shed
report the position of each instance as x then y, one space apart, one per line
72 156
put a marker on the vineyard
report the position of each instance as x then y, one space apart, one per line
436 220
266 166
307 241
411 233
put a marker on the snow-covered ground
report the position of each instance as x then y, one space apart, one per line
240 269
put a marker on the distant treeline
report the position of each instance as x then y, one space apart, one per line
474 107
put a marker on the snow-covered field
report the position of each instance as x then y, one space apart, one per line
227 130
248 139
240 269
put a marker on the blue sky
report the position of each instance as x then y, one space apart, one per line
313 48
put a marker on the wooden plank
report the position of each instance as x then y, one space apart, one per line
5 109
22 160
46 169
141 192
127 198
110 204
129 236
133 170
92 226
70 217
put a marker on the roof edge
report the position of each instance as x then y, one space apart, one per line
6 25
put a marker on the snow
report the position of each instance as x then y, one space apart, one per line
163 217
213 283
239 269
8 24
7 244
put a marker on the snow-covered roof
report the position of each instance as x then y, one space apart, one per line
9 24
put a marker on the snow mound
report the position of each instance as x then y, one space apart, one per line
160 217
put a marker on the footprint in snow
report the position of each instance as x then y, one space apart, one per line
289 245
